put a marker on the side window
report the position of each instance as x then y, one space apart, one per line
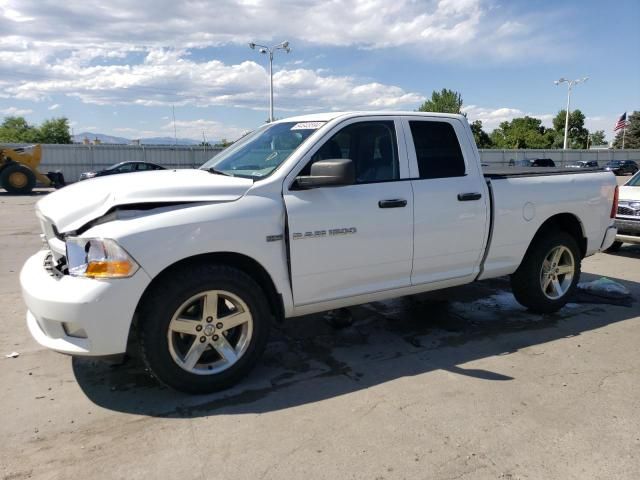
437 149
372 147
143 166
127 167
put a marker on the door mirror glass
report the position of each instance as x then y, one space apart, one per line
332 172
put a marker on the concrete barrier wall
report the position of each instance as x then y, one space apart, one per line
72 160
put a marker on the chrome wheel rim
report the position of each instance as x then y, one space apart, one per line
557 272
210 332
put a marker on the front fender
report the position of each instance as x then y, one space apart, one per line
252 226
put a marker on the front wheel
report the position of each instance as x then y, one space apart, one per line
203 329
548 274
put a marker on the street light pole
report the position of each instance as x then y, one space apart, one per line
570 84
270 50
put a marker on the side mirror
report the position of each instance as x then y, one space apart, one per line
329 173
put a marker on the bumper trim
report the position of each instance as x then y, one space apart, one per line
609 237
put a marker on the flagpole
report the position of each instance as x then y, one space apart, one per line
624 131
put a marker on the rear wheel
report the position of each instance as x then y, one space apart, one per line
203 329
548 274
17 179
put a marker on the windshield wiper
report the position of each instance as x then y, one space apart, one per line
218 172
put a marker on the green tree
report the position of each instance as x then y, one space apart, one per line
55 130
632 135
17 130
523 132
577 133
224 143
445 101
597 138
482 138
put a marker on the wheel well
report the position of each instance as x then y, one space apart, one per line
247 264
565 222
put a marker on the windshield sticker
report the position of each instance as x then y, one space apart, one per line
307 125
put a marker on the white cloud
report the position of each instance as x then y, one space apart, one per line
448 28
168 77
54 106
13 111
492 117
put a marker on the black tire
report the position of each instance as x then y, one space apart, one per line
17 179
526 281
615 246
167 298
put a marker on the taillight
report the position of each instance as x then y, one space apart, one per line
614 207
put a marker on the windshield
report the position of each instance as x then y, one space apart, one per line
635 181
261 152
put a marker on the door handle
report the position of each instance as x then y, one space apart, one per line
393 203
466 197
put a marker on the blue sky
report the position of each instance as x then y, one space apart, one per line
119 67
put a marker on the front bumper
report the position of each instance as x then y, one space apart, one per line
61 306
628 230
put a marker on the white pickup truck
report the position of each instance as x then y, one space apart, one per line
303 215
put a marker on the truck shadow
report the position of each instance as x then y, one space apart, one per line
308 361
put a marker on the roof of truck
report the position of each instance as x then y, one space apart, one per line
328 116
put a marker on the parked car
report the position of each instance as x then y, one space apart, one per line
303 215
532 162
122 167
628 215
622 167
584 164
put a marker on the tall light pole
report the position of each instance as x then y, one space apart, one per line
570 83
270 50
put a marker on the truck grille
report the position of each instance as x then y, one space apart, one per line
630 209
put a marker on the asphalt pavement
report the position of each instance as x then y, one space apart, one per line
457 384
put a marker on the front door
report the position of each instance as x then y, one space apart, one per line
354 239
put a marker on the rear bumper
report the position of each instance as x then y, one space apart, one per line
79 316
609 238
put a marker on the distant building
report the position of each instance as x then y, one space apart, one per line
599 147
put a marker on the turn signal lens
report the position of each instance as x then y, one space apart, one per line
120 268
98 258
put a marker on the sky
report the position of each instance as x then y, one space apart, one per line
122 67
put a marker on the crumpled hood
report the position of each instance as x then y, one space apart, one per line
75 205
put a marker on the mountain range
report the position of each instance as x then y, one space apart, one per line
110 139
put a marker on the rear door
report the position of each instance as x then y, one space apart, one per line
353 239
450 200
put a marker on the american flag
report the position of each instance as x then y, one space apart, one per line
621 123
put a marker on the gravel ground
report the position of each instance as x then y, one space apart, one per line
457 384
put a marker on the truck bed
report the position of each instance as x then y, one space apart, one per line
507 172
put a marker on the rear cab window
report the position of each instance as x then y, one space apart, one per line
437 148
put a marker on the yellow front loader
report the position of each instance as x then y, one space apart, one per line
19 170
